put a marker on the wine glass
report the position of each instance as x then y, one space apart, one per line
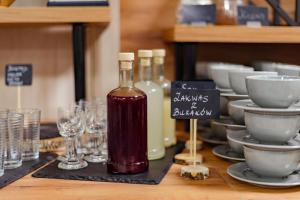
71 124
95 127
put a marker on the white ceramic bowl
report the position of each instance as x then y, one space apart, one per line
225 98
237 79
272 163
220 74
272 127
265 66
273 91
236 113
219 127
288 70
236 147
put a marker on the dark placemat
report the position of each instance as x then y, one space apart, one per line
97 172
11 175
48 131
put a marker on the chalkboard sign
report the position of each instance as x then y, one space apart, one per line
194 103
193 85
252 14
18 74
198 14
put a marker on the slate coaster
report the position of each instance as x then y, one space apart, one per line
48 131
97 172
11 175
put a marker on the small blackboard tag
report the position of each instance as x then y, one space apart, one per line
194 103
18 74
198 14
248 15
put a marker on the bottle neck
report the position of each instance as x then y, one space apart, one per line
145 69
126 74
158 69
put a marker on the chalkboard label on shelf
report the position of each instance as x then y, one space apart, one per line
193 103
198 14
18 75
193 85
254 15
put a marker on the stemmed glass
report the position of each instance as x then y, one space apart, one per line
71 124
95 127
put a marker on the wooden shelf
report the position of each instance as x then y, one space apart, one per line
233 34
55 15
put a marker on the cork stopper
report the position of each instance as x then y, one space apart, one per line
126 56
126 60
145 53
159 52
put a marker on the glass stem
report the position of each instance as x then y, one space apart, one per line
96 144
71 149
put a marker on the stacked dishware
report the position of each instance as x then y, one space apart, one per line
236 78
219 72
270 142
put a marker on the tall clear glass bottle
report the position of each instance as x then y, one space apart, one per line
159 78
127 123
156 148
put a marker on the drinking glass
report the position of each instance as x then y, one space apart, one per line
14 139
3 130
83 141
95 127
31 133
71 124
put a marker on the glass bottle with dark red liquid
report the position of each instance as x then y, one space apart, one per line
127 123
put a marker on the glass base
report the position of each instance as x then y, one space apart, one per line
74 165
64 159
30 156
12 164
95 158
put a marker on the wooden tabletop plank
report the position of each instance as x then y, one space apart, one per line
219 186
54 15
233 34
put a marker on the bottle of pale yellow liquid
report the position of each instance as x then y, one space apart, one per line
154 92
159 78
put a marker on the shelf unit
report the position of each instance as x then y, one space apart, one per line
78 17
233 34
55 15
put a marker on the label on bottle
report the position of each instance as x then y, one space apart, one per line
126 65
158 60
145 62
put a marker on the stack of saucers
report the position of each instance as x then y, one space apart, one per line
271 141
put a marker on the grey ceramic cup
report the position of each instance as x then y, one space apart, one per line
226 98
236 114
272 127
270 91
236 147
272 163
237 79
220 74
219 127
288 70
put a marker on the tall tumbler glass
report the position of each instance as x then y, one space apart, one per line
14 139
3 130
31 133
95 127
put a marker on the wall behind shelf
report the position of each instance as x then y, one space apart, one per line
49 49
143 23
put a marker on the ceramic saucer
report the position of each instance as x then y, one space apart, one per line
208 137
234 95
224 90
242 172
225 152
228 123
243 137
248 105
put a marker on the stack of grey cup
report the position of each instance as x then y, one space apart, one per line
270 142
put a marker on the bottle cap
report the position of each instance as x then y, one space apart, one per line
159 52
145 53
126 56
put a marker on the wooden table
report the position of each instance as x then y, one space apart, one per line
218 186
